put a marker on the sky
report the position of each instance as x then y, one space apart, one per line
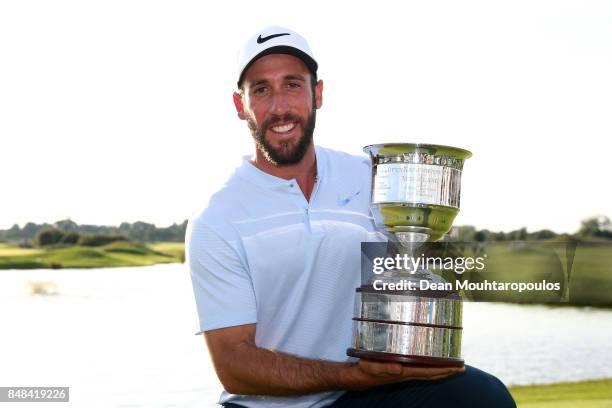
116 111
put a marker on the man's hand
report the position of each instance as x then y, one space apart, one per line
371 373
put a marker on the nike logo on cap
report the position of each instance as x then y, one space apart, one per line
261 40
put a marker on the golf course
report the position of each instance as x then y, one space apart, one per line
583 394
118 253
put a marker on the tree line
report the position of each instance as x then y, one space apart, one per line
598 227
67 232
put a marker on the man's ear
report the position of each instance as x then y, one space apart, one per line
319 94
239 104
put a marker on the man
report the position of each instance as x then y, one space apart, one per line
275 258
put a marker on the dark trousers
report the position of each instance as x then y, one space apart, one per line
471 389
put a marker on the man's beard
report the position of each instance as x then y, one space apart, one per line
286 154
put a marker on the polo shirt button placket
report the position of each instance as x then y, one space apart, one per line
307 216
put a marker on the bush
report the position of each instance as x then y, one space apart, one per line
99 239
70 238
48 236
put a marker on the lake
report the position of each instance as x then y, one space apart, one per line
123 337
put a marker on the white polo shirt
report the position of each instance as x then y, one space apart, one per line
261 253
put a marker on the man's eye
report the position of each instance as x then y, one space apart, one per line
259 90
293 85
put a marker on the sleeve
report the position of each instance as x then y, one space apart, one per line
222 286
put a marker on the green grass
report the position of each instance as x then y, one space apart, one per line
119 253
585 394
13 250
590 280
592 275
176 249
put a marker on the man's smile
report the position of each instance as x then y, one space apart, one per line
283 129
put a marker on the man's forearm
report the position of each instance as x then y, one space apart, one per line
255 371
246 369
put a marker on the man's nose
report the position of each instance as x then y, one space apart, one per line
280 103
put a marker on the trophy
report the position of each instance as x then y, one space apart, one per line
415 198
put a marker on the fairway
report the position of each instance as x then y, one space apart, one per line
587 280
175 248
119 253
13 250
586 394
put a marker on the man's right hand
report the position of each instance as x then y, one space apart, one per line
372 373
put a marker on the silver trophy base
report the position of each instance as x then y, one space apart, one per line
411 327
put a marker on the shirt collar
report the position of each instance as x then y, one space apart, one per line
251 173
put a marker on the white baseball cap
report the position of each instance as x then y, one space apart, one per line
275 40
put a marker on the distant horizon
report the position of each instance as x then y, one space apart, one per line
165 225
158 225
